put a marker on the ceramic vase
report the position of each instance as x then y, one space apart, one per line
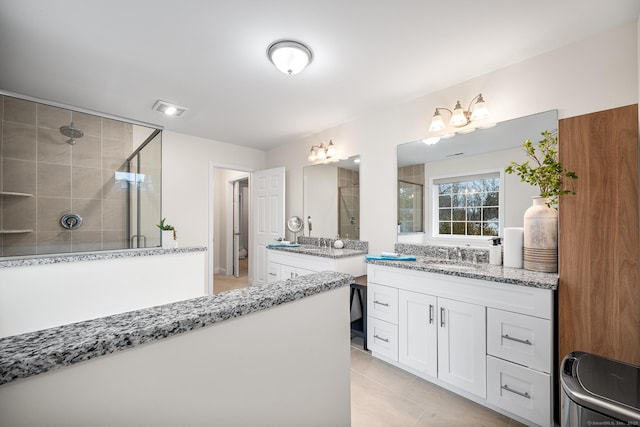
541 237
167 239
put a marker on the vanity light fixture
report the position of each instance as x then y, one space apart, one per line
168 108
459 117
289 56
321 152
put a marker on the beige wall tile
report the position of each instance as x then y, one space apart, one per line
111 189
83 241
114 154
54 180
91 213
112 240
19 111
88 152
53 147
86 183
19 213
112 129
50 211
114 215
53 117
87 123
52 242
18 141
19 244
19 176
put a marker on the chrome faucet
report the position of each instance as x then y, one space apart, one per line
458 253
322 243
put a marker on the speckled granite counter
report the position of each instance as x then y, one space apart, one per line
91 256
482 271
33 353
321 252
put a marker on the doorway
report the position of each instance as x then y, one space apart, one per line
231 215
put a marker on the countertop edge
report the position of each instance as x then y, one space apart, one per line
327 253
490 273
93 256
33 353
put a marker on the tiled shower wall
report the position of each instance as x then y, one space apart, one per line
36 159
349 203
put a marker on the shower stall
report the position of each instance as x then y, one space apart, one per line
72 181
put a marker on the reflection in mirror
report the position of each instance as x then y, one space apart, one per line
485 200
331 199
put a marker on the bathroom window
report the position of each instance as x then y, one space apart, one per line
467 206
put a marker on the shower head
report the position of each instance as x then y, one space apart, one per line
72 133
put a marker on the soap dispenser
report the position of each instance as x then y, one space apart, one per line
495 252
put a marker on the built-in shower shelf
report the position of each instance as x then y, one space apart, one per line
15 231
11 193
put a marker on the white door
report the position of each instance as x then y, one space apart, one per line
236 228
418 332
267 201
462 346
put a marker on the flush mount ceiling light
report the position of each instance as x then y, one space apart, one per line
321 152
168 108
289 56
459 117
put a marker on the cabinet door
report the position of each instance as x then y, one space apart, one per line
273 272
462 345
418 332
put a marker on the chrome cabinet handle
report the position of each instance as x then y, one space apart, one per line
442 314
381 303
519 393
381 339
430 313
272 274
507 337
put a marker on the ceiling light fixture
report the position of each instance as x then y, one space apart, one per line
168 108
321 152
459 117
289 56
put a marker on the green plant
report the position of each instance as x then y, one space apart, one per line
546 172
163 226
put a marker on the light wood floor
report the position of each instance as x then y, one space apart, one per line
223 283
385 396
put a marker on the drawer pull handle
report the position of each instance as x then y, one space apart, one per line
381 303
380 338
442 314
272 274
430 313
527 342
519 393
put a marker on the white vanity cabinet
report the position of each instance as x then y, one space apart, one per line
490 342
288 265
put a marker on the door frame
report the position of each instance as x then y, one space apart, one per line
211 219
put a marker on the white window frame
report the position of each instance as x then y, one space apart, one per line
434 200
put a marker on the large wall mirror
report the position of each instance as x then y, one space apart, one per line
331 199
456 191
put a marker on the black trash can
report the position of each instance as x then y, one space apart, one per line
597 391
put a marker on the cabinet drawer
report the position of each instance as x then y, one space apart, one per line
382 338
519 338
273 272
382 303
519 390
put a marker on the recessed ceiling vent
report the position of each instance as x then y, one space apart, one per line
168 108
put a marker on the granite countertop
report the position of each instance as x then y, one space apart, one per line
320 252
36 352
482 271
92 256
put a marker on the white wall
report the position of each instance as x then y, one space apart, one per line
592 75
43 296
185 180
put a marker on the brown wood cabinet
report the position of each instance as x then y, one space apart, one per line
599 240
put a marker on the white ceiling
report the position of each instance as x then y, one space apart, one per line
119 57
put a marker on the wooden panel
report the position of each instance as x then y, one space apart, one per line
599 241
